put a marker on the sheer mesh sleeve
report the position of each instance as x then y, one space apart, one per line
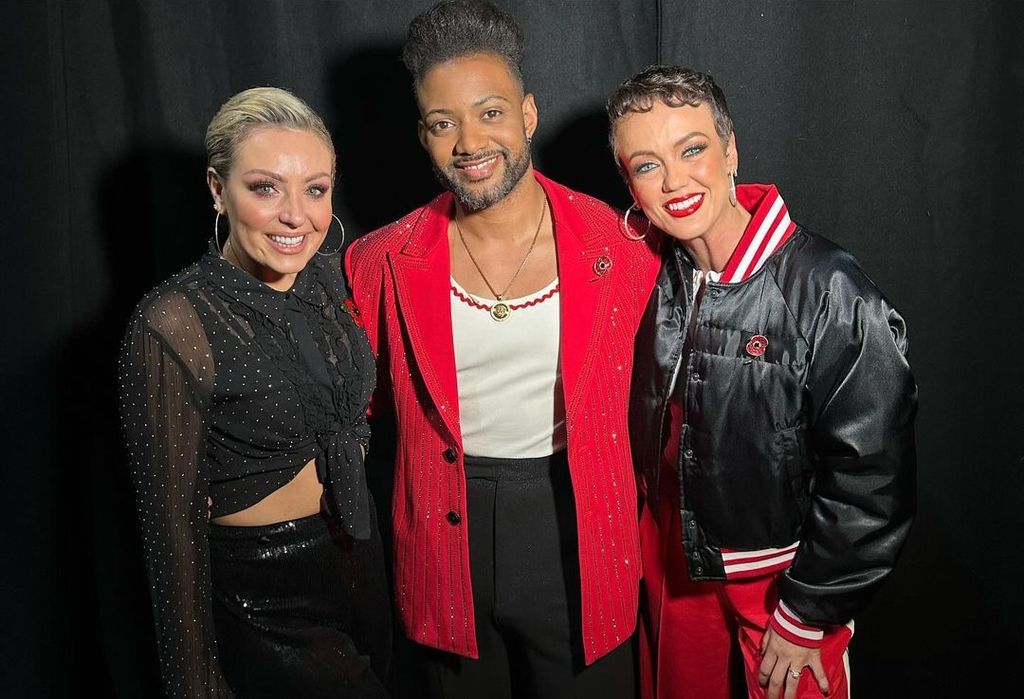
166 375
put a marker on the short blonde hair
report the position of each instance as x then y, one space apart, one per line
257 108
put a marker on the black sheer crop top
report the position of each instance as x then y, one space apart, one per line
228 388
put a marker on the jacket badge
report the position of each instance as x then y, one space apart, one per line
757 345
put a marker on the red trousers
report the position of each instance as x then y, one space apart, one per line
691 629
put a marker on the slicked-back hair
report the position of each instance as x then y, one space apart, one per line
455 28
673 86
258 108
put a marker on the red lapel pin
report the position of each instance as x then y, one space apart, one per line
757 345
602 265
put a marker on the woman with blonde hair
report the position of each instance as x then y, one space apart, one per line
244 383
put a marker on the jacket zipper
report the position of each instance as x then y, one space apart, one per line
697 281
691 319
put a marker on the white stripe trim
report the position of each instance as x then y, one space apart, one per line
773 242
733 555
757 565
755 242
796 630
790 613
849 679
846 662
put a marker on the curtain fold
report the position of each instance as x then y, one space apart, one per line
895 128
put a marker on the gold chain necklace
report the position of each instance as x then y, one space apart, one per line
500 311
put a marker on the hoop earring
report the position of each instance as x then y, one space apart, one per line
732 188
625 225
338 249
216 235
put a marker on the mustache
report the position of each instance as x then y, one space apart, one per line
479 155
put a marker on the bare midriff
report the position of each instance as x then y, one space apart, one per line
299 497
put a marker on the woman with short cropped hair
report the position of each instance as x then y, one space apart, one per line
771 414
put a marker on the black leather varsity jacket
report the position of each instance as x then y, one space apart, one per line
797 405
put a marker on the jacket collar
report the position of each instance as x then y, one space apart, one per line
422 269
769 227
430 228
767 231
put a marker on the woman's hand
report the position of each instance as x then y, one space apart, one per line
782 663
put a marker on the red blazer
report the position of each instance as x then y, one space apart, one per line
400 281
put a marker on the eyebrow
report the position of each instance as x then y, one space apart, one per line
678 143
488 98
274 176
480 102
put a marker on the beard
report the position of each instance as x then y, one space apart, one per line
515 167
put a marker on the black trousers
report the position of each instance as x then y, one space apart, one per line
301 610
524 563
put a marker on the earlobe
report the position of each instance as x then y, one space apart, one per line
530 115
632 192
732 157
216 186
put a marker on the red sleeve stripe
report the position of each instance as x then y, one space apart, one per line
792 628
739 556
746 564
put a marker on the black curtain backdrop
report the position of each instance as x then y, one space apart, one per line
895 128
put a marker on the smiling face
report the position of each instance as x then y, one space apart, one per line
277 199
678 170
475 126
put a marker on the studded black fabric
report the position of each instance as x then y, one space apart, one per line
228 388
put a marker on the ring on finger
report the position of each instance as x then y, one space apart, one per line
795 674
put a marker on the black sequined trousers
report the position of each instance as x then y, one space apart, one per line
301 610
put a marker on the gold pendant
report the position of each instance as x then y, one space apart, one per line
500 311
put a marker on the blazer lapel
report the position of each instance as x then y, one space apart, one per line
584 293
421 271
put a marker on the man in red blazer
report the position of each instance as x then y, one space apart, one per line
502 314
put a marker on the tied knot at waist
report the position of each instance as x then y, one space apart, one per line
339 467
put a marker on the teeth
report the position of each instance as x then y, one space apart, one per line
481 165
290 242
685 203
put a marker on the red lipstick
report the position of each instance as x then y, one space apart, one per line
681 207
